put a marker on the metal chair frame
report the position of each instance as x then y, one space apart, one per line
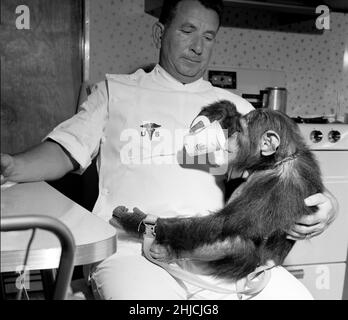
66 263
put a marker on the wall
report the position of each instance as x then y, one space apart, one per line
313 63
40 70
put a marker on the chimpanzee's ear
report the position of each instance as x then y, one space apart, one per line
157 32
269 144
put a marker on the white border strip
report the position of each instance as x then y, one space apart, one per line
86 41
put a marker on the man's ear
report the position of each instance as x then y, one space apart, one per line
269 144
157 32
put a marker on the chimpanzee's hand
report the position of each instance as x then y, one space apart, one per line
130 221
314 224
162 253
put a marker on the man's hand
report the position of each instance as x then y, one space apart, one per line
314 224
6 167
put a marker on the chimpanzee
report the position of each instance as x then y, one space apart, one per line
254 223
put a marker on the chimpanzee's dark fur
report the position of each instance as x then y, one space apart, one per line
256 221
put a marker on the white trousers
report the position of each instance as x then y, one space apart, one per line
127 275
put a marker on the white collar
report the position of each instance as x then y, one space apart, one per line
164 78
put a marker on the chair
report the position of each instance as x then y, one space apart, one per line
66 263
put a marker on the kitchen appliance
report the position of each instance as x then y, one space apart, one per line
320 263
275 98
315 119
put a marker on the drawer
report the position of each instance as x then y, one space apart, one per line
324 281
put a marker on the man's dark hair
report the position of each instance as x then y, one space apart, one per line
170 6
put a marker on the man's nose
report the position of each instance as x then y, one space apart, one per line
197 45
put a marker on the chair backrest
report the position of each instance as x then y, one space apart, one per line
66 263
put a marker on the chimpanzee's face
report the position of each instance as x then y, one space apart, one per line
238 142
256 140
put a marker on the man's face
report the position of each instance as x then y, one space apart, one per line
188 40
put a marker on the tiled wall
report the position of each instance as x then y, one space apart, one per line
121 42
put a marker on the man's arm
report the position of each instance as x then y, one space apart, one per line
46 161
70 146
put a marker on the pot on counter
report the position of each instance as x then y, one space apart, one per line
275 98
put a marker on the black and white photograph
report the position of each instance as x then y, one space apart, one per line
174 155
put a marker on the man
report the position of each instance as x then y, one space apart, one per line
142 108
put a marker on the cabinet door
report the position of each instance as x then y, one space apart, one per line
324 281
40 68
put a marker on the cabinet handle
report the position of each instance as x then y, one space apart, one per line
297 273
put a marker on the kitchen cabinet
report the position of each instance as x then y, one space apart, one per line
298 16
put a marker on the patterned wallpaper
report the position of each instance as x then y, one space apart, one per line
316 77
